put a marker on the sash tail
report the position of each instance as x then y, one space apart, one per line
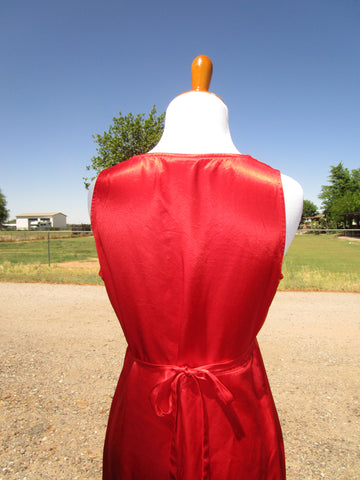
181 393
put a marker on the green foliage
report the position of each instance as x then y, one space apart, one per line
349 202
128 135
309 209
4 213
343 193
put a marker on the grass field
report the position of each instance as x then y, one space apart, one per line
36 252
72 260
313 262
322 262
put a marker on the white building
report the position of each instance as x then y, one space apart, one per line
32 221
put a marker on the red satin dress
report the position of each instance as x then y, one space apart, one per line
190 248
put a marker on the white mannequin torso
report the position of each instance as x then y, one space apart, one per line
197 122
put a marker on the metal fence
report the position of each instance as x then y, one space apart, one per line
341 232
30 235
18 244
37 245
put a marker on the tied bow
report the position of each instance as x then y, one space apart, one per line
182 393
165 392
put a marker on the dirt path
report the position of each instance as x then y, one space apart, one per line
61 352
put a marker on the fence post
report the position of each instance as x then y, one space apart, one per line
48 245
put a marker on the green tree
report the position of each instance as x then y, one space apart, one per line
348 203
343 193
4 213
309 209
127 136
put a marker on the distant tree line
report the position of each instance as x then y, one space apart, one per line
340 196
309 209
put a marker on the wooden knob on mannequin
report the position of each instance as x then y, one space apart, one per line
201 73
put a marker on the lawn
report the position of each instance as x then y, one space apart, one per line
313 262
72 260
36 251
322 262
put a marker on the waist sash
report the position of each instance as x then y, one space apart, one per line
182 393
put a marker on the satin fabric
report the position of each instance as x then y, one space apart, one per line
190 248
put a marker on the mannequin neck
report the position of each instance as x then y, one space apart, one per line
196 122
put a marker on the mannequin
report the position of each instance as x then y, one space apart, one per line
197 123
203 229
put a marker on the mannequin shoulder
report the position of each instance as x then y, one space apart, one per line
293 191
293 198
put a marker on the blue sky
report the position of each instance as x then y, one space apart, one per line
288 70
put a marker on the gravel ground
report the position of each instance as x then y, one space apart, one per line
61 353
